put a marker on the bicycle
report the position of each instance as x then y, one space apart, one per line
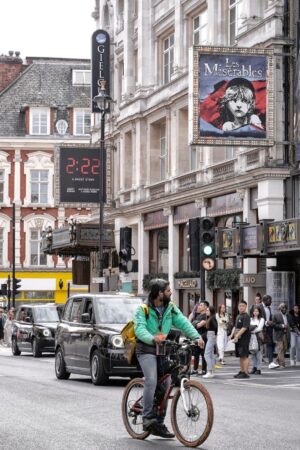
191 409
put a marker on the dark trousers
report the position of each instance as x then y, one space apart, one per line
199 351
270 346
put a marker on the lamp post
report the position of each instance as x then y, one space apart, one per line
103 101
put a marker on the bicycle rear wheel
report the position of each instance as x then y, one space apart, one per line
193 427
132 408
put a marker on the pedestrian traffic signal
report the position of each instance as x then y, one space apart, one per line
3 290
16 286
207 243
194 244
125 264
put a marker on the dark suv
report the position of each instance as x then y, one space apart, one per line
34 329
88 340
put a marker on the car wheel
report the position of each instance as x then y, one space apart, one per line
60 366
36 351
14 347
99 377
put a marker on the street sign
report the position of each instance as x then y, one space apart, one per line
100 64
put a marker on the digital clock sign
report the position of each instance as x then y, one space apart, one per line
79 174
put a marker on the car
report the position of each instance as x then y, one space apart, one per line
88 340
34 329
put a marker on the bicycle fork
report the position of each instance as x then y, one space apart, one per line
184 392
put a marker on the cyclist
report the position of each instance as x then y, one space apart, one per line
150 331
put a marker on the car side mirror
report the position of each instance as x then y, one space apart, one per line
85 317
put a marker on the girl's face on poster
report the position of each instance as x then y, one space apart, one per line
239 108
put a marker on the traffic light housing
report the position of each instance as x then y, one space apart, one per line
17 286
125 264
3 290
207 243
194 244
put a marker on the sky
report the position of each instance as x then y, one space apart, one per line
47 28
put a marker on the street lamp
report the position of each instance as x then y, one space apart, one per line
103 101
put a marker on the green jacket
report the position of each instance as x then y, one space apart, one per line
146 328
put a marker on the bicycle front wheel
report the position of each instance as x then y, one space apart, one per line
192 425
132 408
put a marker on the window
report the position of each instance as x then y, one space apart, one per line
1 246
168 57
40 121
39 186
235 9
193 157
1 186
163 151
200 29
82 122
159 250
37 258
81 77
75 313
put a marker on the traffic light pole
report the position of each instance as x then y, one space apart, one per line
102 197
13 255
202 283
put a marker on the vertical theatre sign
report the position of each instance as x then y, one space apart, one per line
233 96
100 65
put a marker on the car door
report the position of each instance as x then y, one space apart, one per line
86 335
24 329
70 332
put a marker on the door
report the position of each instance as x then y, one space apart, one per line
70 330
24 333
86 335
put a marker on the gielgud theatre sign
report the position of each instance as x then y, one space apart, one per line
233 96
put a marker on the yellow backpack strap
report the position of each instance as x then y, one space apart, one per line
146 310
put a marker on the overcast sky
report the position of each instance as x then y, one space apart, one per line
52 28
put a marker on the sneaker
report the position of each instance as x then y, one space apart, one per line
161 430
237 375
223 362
253 371
216 366
148 424
281 367
203 372
209 374
273 365
258 372
242 375
194 372
292 363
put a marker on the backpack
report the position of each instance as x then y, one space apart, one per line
129 337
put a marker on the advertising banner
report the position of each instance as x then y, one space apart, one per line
233 96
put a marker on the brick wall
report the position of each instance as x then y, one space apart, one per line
10 68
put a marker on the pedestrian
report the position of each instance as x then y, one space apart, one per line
212 329
194 312
241 337
199 323
222 338
8 328
2 324
268 331
256 327
294 322
281 334
258 302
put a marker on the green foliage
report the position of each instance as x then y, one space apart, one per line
147 278
191 274
223 279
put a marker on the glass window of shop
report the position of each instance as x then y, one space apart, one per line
184 265
35 295
228 222
159 250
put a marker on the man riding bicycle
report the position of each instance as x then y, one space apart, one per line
150 331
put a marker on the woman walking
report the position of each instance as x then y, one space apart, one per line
223 322
212 329
8 327
256 326
294 322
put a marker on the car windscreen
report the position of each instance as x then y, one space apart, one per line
115 310
45 315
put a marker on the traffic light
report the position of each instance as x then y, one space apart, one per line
207 243
16 286
125 264
194 244
3 290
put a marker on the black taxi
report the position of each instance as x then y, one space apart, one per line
88 340
34 329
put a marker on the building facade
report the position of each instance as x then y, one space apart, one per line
160 178
44 103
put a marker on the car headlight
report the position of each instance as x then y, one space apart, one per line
46 332
117 341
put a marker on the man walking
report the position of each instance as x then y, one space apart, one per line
281 334
268 331
199 323
241 337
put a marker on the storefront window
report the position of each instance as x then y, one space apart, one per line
159 250
183 248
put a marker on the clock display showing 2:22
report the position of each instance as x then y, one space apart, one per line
79 177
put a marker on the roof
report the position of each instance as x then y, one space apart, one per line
43 83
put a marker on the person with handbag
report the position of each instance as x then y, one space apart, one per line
256 327
223 324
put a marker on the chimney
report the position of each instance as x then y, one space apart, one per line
10 68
